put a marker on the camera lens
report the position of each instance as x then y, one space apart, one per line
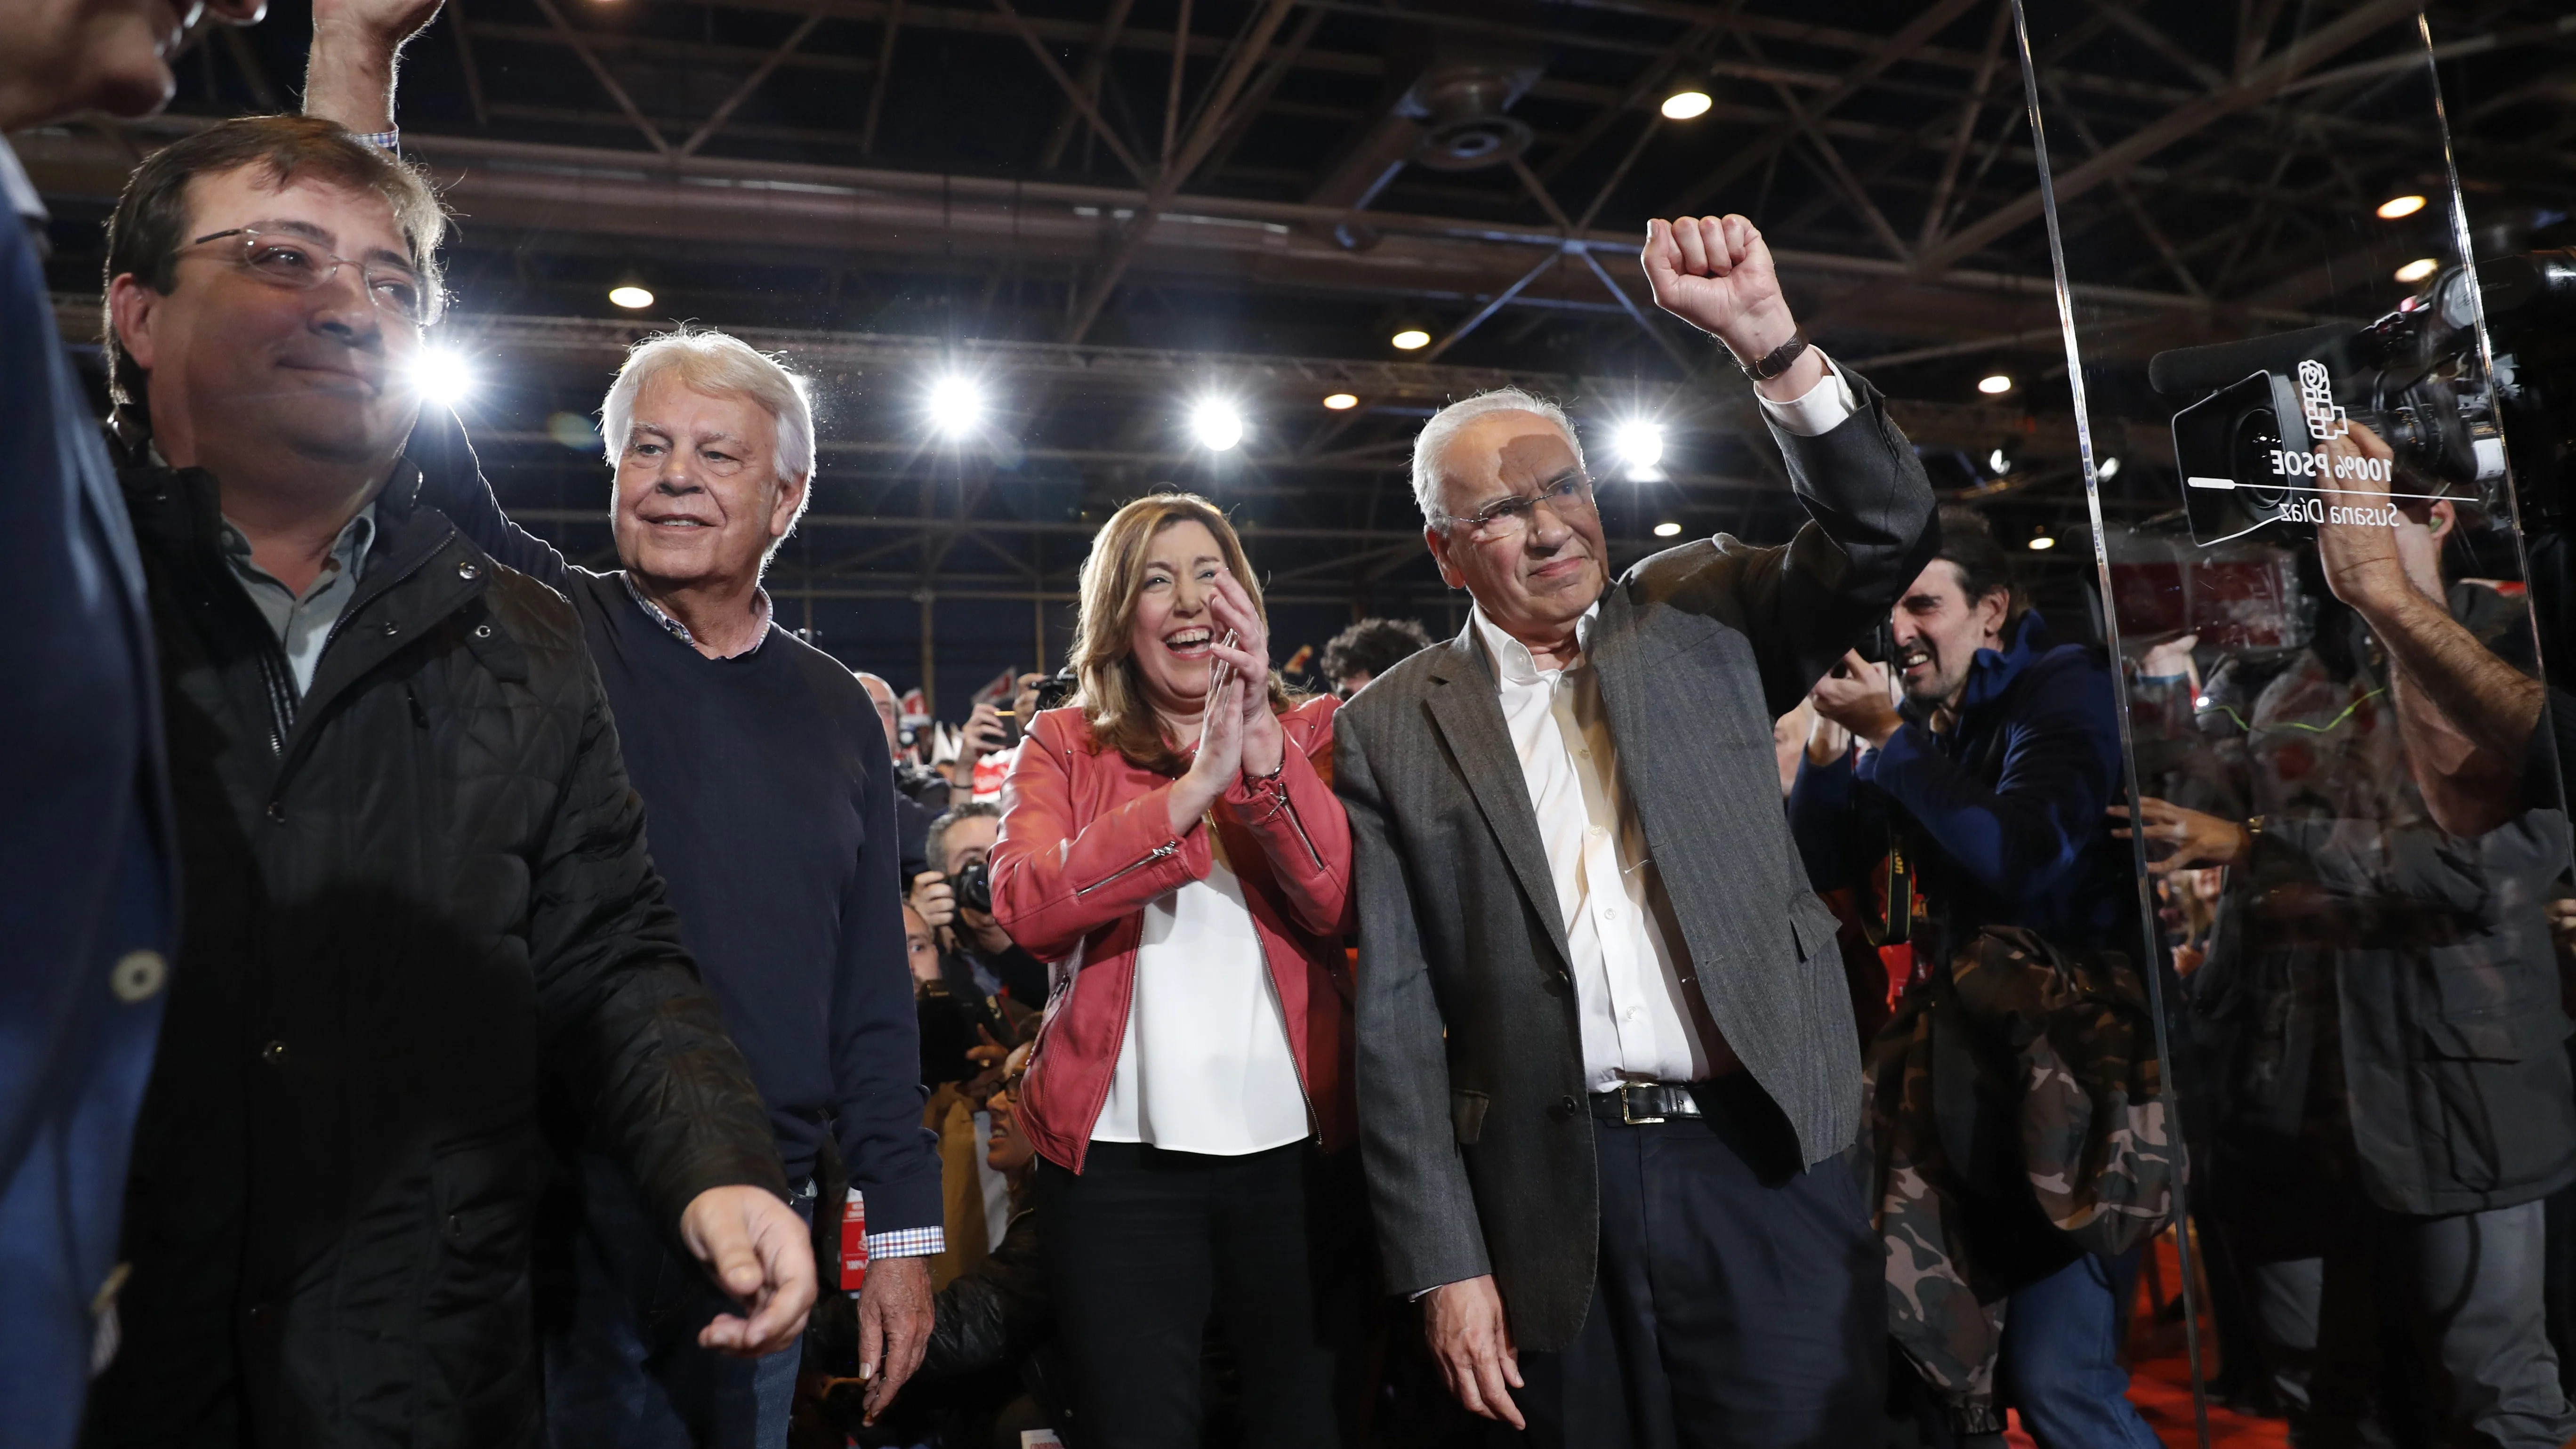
974 887
2252 440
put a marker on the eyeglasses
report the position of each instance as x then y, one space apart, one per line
284 260
1570 496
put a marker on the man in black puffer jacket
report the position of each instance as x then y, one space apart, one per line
418 900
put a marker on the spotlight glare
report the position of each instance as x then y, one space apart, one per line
2397 207
1668 529
441 377
1342 402
1217 425
1686 105
1994 385
956 405
2041 543
2108 469
632 298
1639 443
1997 463
1411 339
2418 269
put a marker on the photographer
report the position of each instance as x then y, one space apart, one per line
1990 778
956 898
2381 1007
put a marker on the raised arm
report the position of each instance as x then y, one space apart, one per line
349 72
451 481
1871 504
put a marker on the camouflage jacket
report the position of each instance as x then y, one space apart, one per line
2018 1118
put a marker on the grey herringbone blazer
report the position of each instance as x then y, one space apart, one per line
1471 1085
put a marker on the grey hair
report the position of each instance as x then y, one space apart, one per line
714 362
934 846
1444 425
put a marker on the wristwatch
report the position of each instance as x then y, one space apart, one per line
1777 361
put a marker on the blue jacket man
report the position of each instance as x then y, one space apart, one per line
88 887
2001 811
1993 776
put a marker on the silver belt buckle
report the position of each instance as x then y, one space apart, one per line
1628 1113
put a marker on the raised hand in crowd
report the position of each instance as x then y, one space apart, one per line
762 1255
1852 701
1715 273
2198 840
934 898
349 74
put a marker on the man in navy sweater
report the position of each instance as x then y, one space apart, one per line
1994 776
769 802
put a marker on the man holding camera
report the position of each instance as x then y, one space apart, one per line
956 898
1990 779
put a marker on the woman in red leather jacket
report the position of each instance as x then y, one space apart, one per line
1178 852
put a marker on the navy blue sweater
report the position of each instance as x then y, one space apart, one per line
2032 848
769 803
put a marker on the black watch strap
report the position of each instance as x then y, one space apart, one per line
1776 362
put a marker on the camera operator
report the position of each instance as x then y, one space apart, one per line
2381 1005
956 898
1991 777
919 794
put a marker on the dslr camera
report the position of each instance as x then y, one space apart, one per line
972 886
2251 446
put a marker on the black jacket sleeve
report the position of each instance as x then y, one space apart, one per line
996 1312
1871 531
629 1028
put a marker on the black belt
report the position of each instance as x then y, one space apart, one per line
1634 1104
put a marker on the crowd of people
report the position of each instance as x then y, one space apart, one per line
471 999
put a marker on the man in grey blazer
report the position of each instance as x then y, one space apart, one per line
1609 1081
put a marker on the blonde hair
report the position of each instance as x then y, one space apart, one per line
714 363
1112 696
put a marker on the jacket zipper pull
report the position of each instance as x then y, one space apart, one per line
1164 851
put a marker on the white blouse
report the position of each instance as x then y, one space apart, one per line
1206 1065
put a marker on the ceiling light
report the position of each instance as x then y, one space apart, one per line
2107 469
2041 542
956 405
1997 463
631 297
1639 443
1998 383
441 377
1686 105
1342 402
1410 339
1217 425
1668 530
2418 269
2397 207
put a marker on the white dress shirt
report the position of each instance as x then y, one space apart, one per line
1205 1066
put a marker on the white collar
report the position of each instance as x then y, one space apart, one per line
1512 659
21 193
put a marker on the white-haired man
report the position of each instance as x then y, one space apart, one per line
768 791
1608 1086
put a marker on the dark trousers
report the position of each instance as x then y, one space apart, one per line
1739 1301
1143 1243
623 1366
2464 1296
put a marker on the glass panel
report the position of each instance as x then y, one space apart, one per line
2305 402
